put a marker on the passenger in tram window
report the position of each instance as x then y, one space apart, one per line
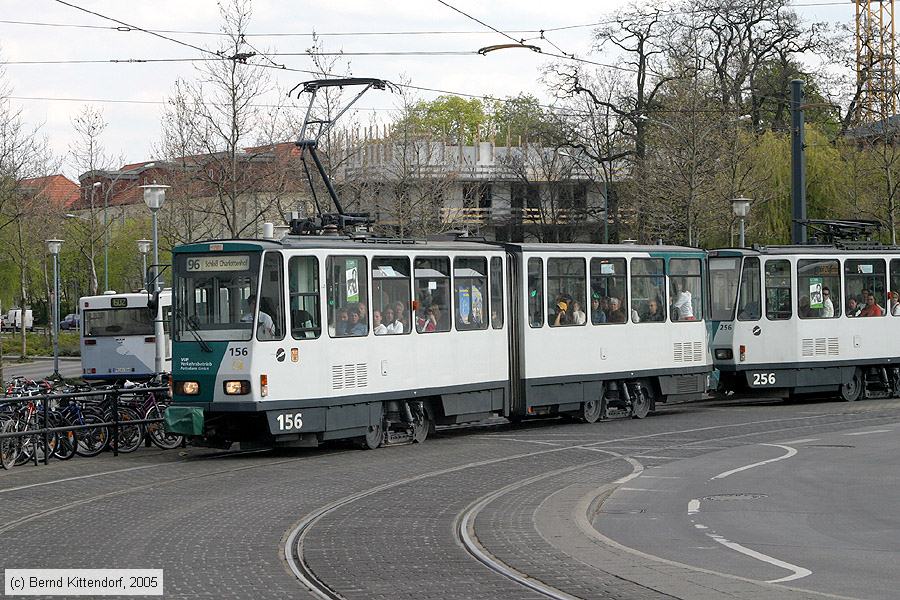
562 316
356 326
342 326
682 304
598 315
804 311
266 326
432 319
827 304
895 303
871 309
378 328
862 297
363 312
401 316
578 316
616 315
654 313
389 321
853 308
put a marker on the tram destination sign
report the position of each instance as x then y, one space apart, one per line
234 262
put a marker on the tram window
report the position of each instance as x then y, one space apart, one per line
497 292
270 316
778 290
724 272
864 279
303 281
390 295
894 296
686 289
566 292
818 289
648 288
470 292
347 288
609 281
749 301
535 292
432 287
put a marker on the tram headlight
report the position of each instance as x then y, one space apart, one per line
724 354
187 388
237 387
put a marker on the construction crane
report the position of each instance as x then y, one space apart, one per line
875 60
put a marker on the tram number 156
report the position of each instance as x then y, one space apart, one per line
760 379
290 421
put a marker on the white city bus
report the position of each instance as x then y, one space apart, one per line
118 338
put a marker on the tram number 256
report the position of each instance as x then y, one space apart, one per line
764 379
289 421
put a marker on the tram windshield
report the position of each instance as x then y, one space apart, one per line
212 296
724 273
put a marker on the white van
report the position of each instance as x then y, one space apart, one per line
13 319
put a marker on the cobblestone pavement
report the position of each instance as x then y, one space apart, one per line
217 522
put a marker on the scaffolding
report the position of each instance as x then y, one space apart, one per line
875 65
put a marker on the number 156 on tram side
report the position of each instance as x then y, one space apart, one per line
311 338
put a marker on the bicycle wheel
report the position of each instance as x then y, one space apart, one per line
66 441
10 447
92 441
130 436
157 431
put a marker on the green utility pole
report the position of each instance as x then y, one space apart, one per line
798 165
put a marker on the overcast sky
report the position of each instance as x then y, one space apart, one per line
134 122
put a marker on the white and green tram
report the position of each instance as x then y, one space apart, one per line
315 337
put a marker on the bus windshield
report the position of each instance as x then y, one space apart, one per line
118 322
211 296
724 272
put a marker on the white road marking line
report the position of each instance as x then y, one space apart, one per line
659 457
699 526
797 572
34 485
531 441
790 452
659 477
693 507
630 489
869 432
803 441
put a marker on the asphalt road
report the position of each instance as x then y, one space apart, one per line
40 368
817 512
543 509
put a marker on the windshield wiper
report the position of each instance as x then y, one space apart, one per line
192 327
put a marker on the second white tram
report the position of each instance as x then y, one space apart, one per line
807 319
118 335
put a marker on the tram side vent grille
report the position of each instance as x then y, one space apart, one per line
349 376
820 347
687 351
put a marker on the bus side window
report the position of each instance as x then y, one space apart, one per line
390 295
778 290
566 285
303 279
432 288
648 287
609 279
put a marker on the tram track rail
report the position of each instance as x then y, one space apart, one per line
464 528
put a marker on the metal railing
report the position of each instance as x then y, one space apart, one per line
45 430
527 216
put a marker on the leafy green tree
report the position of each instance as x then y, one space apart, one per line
452 117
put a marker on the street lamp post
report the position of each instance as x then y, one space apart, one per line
53 247
154 197
144 249
605 195
741 208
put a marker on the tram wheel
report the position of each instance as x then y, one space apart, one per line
374 437
642 399
421 428
591 411
852 390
